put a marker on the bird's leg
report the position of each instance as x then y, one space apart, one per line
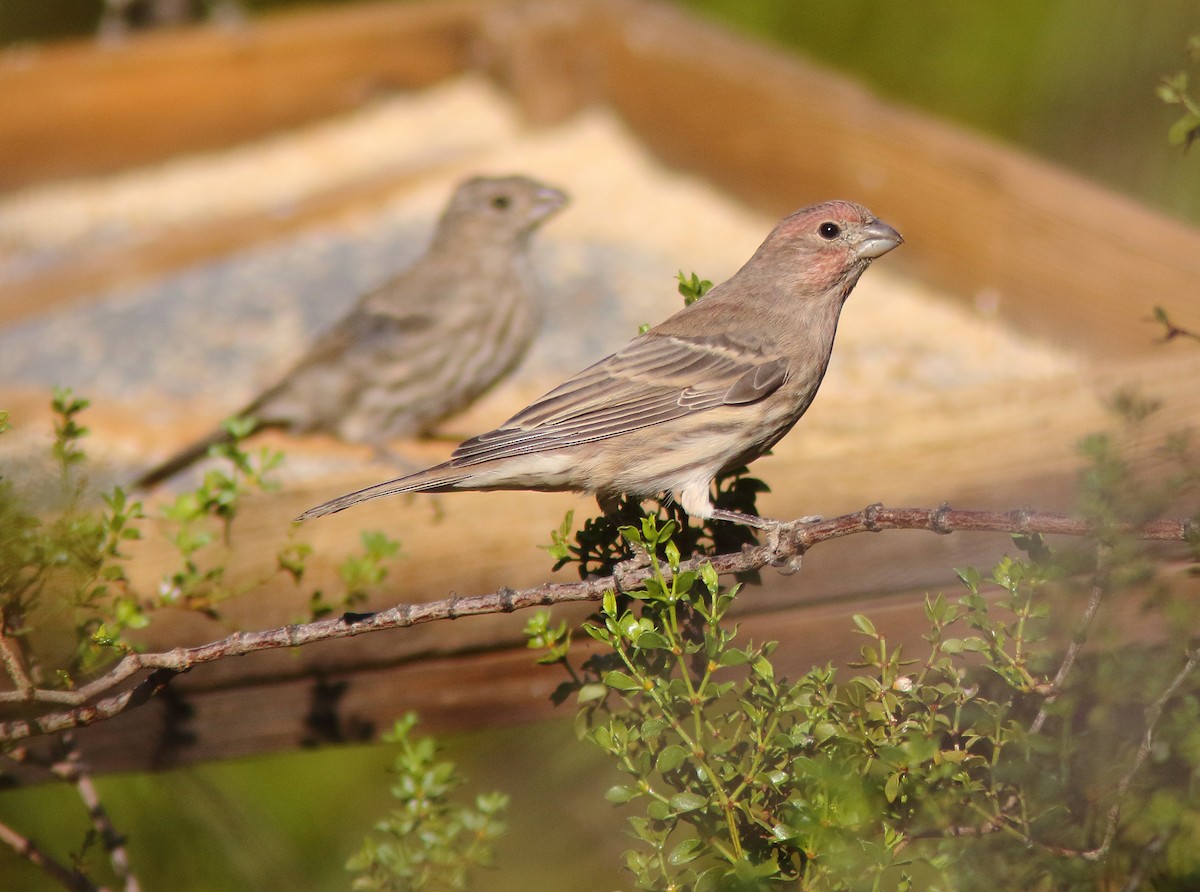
775 530
609 503
743 519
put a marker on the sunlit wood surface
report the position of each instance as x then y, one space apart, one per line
1057 257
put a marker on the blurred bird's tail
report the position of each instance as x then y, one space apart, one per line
440 478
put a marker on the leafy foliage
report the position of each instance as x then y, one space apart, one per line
998 757
67 600
692 287
598 549
427 842
1175 90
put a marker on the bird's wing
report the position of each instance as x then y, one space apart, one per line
352 347
365 330
656 378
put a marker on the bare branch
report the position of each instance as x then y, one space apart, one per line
792 541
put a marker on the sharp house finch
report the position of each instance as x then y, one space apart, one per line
710 389
424 345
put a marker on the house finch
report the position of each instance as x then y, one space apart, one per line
710 389
424 345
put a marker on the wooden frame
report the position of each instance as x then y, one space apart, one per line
1061 258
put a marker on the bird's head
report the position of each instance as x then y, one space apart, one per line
824 248
499 209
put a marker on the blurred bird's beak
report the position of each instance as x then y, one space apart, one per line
878 239
549 200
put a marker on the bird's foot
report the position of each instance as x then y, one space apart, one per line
786 564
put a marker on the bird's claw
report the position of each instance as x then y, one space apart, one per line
786 564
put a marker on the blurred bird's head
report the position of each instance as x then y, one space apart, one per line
499 209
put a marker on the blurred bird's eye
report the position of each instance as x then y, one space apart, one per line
501 202
829 230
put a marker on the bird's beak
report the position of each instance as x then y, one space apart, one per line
549 200
877 239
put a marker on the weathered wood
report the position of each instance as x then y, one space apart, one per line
1012 452
81 109
1060 256
196 720
1056 255
1053 253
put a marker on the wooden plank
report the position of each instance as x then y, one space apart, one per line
1054 254
77 109
1062 258
101 268
200 721
1020 452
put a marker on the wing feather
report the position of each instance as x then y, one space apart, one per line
655 379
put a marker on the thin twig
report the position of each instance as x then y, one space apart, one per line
15 667
74 770
1172 330
1153 714
1148 853
794 540
28 849
1099 586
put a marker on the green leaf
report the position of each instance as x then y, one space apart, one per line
891 787
599 634
589 692
631 534
685 802
608 605
653 727
824 730
688 850
620 794
763 669
734 657
864 625
650 640
670 758
1185 131
671 552
620 681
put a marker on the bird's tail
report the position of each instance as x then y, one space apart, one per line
184 458
440 478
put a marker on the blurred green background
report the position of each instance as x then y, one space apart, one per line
290 820
1072 81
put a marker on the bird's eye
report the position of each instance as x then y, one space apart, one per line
829 230
500 202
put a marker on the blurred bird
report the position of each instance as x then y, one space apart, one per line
708 390
426 344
